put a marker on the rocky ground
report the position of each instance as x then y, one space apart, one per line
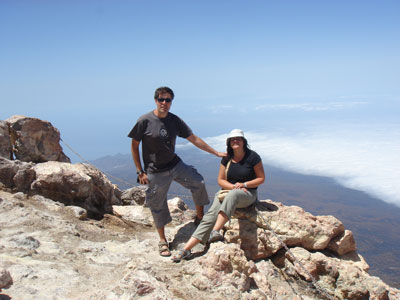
53 252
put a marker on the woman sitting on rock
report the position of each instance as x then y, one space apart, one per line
241 172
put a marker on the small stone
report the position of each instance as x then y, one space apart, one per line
78 212
20 196
5 279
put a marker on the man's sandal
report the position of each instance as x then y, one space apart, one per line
182 254
163 249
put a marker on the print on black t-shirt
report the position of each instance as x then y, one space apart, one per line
163 133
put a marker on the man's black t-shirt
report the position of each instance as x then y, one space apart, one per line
158 138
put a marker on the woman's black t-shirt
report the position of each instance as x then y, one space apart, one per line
244 170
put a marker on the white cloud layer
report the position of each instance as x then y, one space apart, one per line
312 106
364 158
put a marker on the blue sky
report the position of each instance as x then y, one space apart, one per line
286 70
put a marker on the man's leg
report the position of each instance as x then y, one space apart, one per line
189 178
161 233
199 211
156 199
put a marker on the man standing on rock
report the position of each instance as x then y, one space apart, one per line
157 130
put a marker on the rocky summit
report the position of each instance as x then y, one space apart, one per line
66 232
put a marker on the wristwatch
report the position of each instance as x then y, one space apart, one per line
140 172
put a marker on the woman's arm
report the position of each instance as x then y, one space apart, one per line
222 182
260 176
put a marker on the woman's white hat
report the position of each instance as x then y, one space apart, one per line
236 133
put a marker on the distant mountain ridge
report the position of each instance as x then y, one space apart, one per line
375 224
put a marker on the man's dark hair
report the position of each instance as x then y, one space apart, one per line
163 89
230 150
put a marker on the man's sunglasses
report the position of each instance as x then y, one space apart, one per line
162 100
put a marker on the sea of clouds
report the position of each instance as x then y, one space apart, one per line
352 139
362 157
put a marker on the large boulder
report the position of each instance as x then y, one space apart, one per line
5 141
76 184
35 140
80 185
292 225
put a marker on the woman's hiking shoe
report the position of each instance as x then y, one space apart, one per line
182 254
215 236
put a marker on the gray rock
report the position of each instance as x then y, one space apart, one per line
134 196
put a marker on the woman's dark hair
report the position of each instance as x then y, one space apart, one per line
163 89
230 150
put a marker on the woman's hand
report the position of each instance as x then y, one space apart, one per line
239 186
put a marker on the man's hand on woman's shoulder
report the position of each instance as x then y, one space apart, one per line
221 154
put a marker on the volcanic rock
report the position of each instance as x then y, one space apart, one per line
292 225
35 140
52 254
134 196
76 184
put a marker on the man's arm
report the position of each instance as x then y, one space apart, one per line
199 143
136 160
